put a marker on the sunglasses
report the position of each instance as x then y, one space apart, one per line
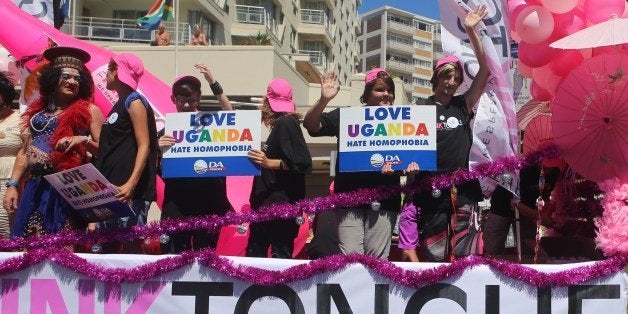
182 101
66 76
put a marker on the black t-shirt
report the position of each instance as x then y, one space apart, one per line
453 144
500 202
284 142
194 196
118 148
350 181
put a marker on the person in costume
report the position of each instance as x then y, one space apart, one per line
61 129
11 141
185 197
445 215
365 229
128 148
284 159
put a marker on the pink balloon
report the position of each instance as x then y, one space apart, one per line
514 8
601 10
564 61
534 24
559 6
535 55
551 82
539 93
539 74
569 23
524 70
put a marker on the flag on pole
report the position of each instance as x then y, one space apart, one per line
161 10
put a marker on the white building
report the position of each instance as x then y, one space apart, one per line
403 43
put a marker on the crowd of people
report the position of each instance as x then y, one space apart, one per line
63 129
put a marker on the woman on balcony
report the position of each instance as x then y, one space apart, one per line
60 129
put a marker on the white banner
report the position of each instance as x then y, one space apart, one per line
370 136
49 288
496 108
41 9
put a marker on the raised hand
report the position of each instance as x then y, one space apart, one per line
474 17
206 72
329 89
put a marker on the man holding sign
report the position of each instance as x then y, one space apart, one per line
185 197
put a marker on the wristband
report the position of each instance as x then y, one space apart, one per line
12 183
216 88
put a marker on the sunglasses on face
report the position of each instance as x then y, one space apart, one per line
182 101
66 76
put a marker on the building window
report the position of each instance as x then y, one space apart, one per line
398 19
418 44
422 26
399 58
128 14
423 64
373 43
420 82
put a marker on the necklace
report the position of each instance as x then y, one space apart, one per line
54 117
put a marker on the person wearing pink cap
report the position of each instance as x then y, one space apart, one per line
363 229
61 129
442 211
185 197
284 159
128 148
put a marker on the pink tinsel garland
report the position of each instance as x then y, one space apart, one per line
612 236
305 271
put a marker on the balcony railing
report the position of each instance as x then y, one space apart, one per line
314 17
402 66
316 57
122 30
401 27
400 46
257 15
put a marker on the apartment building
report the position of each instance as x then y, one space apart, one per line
321 31
403 43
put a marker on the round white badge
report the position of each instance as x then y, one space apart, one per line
442 118
452 122
113 118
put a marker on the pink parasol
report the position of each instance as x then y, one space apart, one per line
590 118
609 33
530 110
536 132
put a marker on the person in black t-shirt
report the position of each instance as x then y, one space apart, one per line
364 229
456 206
285 159
185 197
128 145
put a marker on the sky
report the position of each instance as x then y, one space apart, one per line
427 8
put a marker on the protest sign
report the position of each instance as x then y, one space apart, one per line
89 193
212 144
372 136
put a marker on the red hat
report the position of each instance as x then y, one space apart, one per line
279 95
187 79
372 74
445 60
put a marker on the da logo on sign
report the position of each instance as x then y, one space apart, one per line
215 166
200 166
377 160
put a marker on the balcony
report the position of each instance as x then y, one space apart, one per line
399 27
315 25
399 46
256 16
401 66
318 58
120 30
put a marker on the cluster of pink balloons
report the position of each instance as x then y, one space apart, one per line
537 23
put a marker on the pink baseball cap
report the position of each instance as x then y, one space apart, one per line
372 74
446 60
279 95
130 68
187 79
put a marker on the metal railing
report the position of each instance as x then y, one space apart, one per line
314 17
401 27
122 30
403 66
316 57
257 15
400 46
